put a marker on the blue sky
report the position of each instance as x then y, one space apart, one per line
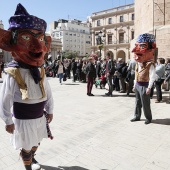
52 10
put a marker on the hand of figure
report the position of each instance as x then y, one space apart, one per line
148 91
133 89
165 82
108 74
49 117
10 128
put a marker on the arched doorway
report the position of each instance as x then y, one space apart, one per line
121 54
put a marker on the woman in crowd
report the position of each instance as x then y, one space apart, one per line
60 70
91 75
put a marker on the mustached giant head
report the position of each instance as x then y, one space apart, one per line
144 48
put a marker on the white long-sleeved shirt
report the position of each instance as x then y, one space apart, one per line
10 93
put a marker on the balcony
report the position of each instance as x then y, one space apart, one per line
121 8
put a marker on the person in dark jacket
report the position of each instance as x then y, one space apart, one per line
79 70
74 68
91 75
110 70
121 69
98 69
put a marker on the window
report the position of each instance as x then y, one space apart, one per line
121 37
121 18
110 21
53 34
132 35
98 22
56 34
110 39
133 16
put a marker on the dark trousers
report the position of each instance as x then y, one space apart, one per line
142 100
110 84
116 83
90 81
122 84
68 73
74 76
152 91
131 83
158 85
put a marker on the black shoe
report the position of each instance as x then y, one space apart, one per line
134 120
122 92
111 95
91 94
88 94
107 94
147 121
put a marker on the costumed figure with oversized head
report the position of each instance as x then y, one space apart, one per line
144 74
25 89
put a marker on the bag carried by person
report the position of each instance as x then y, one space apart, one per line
106 86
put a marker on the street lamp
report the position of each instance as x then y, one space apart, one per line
100 38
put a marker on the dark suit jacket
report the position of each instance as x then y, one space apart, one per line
90 70
111 67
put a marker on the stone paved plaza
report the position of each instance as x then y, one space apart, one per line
95 133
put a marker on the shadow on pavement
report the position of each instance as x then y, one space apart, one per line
161 121
73 168
114 95
63 168
70 84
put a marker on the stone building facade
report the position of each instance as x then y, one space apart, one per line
1 51
116 27
153 16
74 35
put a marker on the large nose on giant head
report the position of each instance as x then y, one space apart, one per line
134 50
36 46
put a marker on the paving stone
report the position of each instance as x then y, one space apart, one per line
95 133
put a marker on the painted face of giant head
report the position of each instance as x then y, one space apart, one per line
144 48
31 47
26 38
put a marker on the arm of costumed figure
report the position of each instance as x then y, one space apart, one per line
6 99
48 107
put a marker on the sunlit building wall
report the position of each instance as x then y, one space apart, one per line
117 27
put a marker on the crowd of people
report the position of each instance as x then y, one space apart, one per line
114 75
27 94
